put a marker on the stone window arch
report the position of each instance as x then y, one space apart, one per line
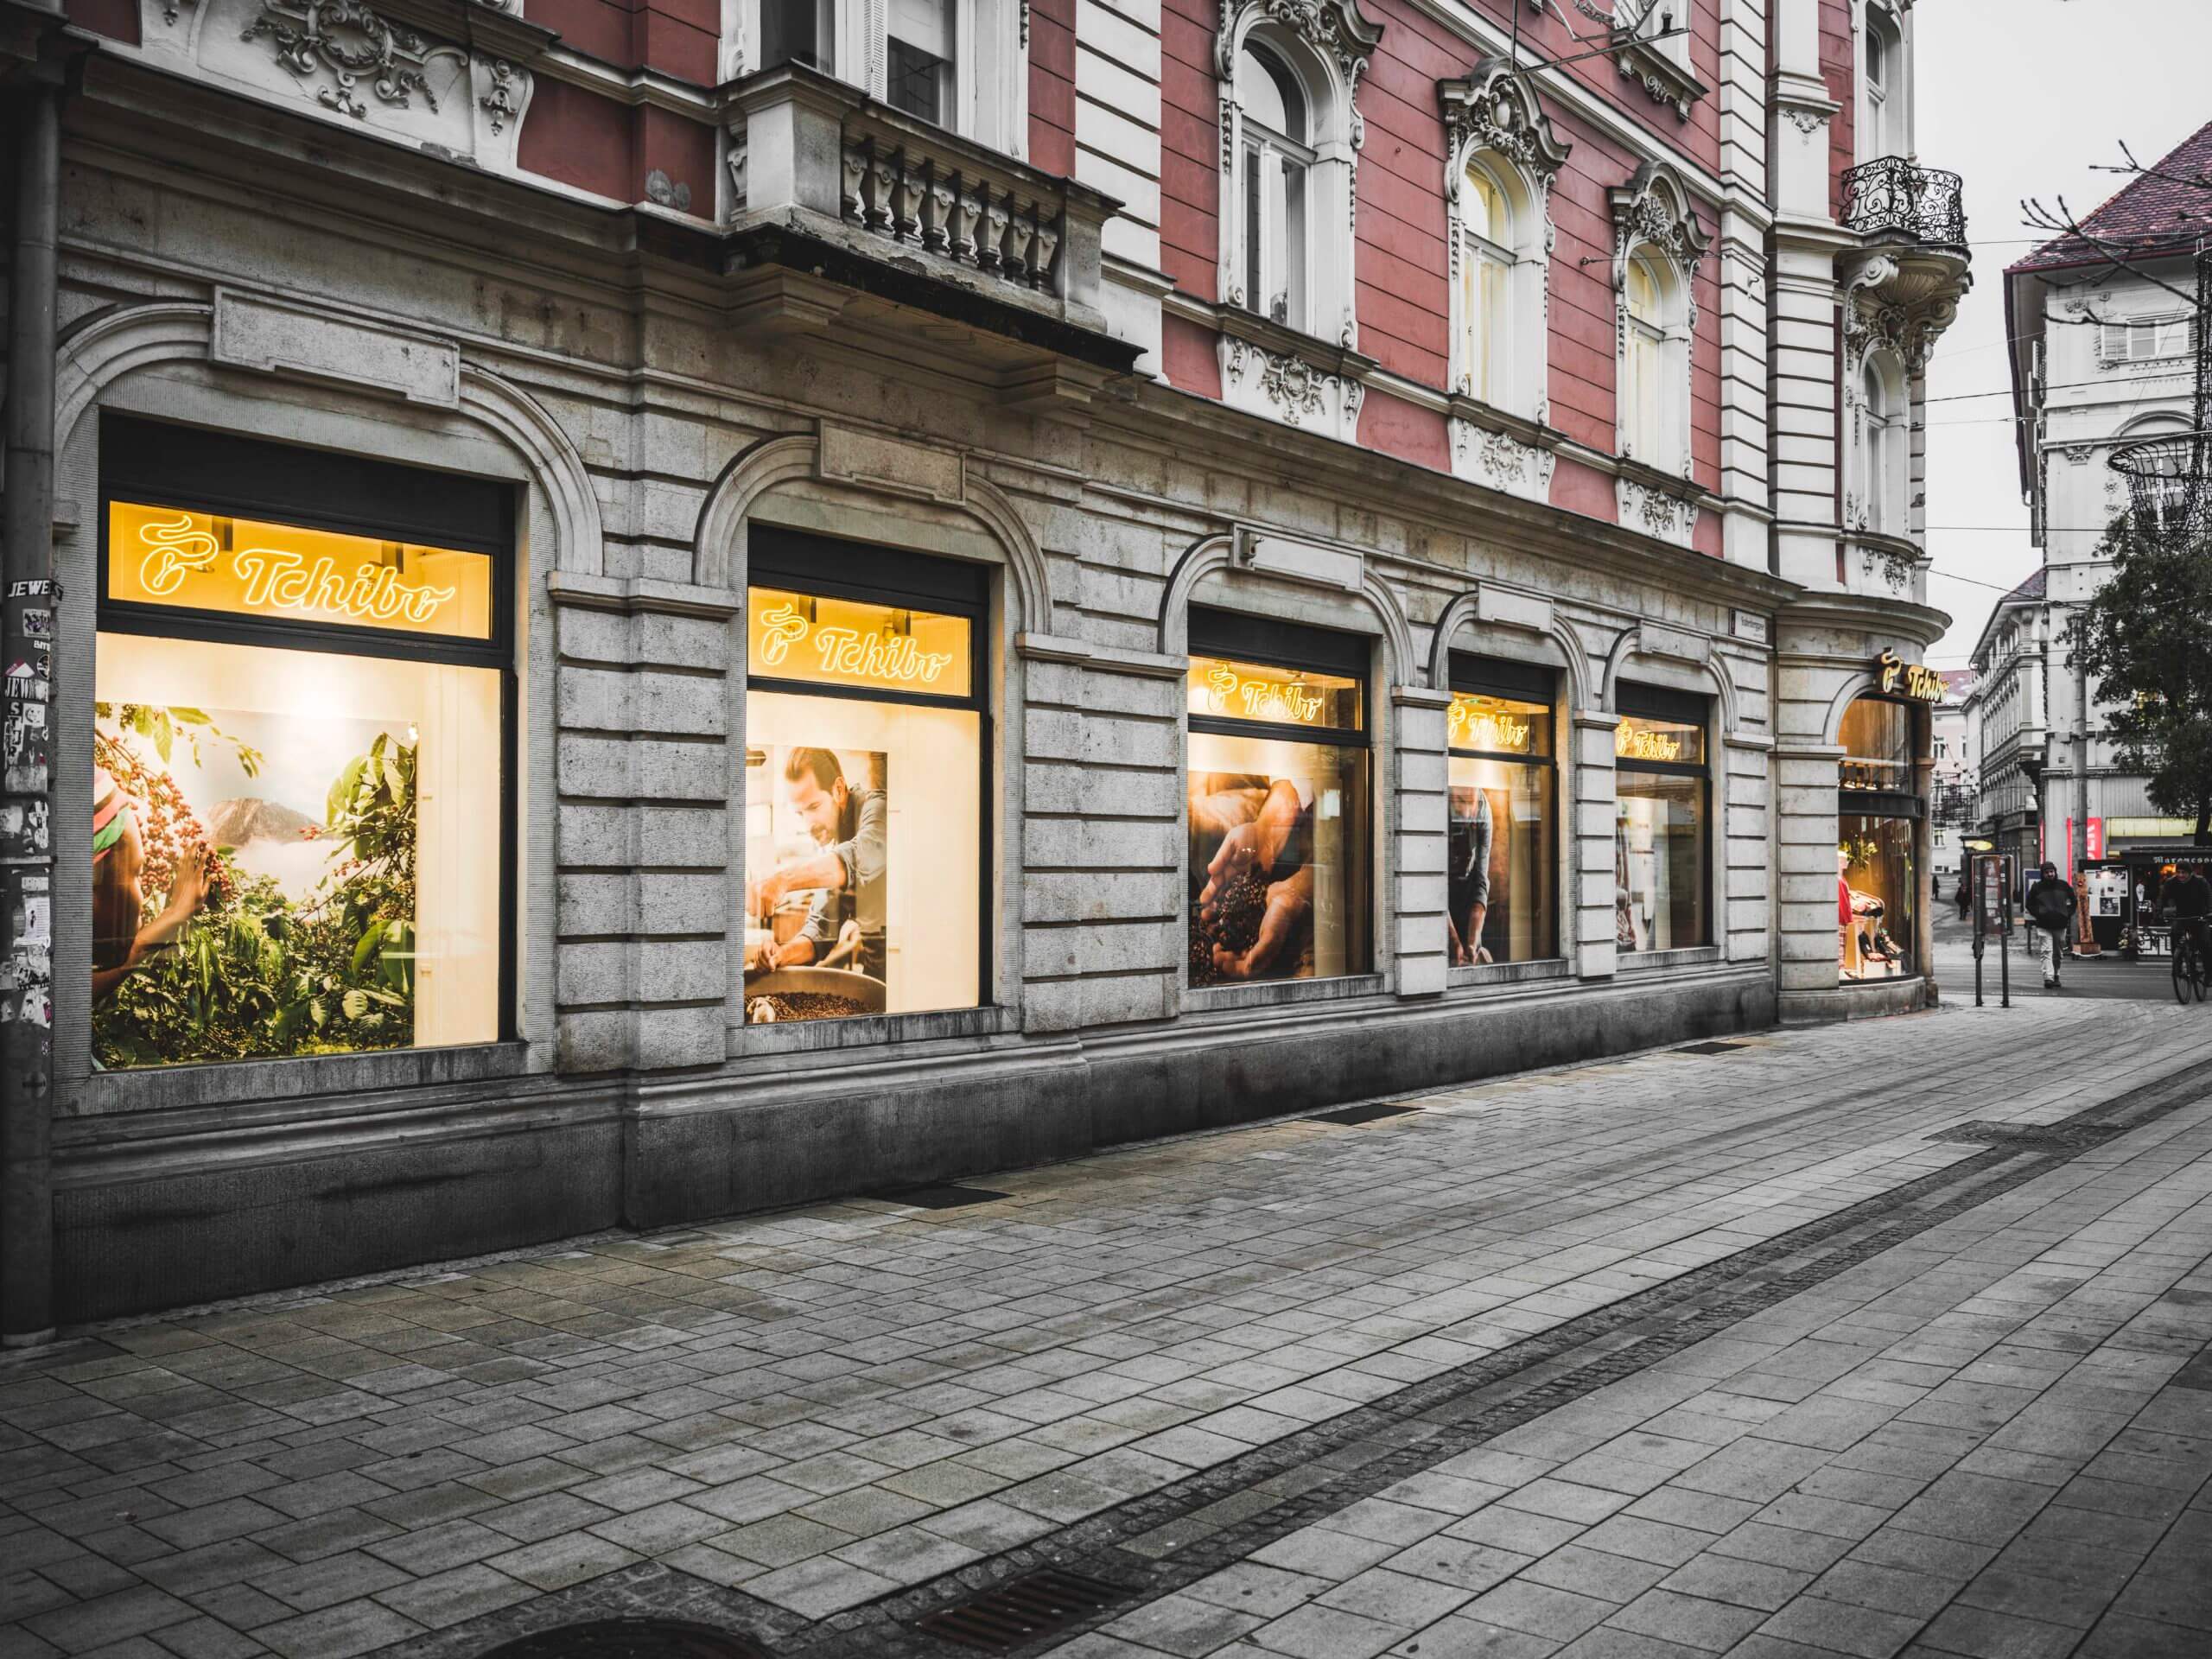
1290 137
1657 245
1501 157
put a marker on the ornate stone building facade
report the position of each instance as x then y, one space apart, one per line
668 611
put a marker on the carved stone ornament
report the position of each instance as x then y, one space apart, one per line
1882 311
663 194
1656 513
1335 29
1288 388
1496 110
498 100
352 44
1655 209
1502 461
1807 122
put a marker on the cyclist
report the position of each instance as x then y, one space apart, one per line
2188 899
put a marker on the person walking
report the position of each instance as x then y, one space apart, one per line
2050 910
1966 894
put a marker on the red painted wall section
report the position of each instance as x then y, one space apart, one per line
600 28
1706 539
1397 428
1188 353
1190 143
1704 370
579 139
1403 265
679 38
117 19
1839 68
1052 86
1583 489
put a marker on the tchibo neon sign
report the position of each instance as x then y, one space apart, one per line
1229 693
1474 726
277 579
847 652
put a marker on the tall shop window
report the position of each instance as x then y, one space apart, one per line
1502 892
865 845
1663 788
1878 811
302 739
1279 801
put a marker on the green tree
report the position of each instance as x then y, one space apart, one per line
2146 639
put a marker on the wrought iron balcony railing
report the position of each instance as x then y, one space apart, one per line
1893 195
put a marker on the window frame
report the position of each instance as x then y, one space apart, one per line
1263 146
989 69
792 560
214 472
1636 699
1523 682
1236 636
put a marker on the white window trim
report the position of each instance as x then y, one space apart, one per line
1654 217
1325 45
1492 120
990 60
1268 147
1884 126
1878 464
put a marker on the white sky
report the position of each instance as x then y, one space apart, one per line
2024 98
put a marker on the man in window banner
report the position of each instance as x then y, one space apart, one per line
1263 861
1469 873
848 822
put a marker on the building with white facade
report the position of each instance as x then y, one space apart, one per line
2103 356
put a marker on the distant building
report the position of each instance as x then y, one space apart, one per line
1954 804
2102 356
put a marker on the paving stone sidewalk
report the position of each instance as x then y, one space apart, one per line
1991 1440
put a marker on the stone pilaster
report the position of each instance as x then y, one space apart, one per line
1596 943
644 771
1420 828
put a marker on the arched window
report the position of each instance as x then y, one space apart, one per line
1881 457
1882 58
1290 137
1642 396
1657 243
1500 158
1486 268
1278 161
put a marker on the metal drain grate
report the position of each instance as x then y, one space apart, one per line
1361 1114
629 1639
1020 1611
1711 1048
940 1197
1981 1131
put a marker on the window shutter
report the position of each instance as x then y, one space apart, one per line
2114 349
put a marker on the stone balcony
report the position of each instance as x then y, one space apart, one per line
1912 266
842 209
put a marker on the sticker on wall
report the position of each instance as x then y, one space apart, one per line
38 625
23 832
36 588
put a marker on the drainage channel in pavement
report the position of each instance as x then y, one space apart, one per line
1151 1546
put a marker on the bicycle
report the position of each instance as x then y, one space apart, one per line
2191 971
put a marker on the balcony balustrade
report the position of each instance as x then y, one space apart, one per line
836 191
1893 197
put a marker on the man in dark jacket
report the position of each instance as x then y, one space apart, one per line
2050 909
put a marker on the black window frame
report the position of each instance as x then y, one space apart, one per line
868 573
201 469
1522 682
1637 700
1239 636
1231 636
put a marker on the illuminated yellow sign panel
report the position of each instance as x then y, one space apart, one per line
1497 724
847 642
1282 696
1662 741
1914 680
206 561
